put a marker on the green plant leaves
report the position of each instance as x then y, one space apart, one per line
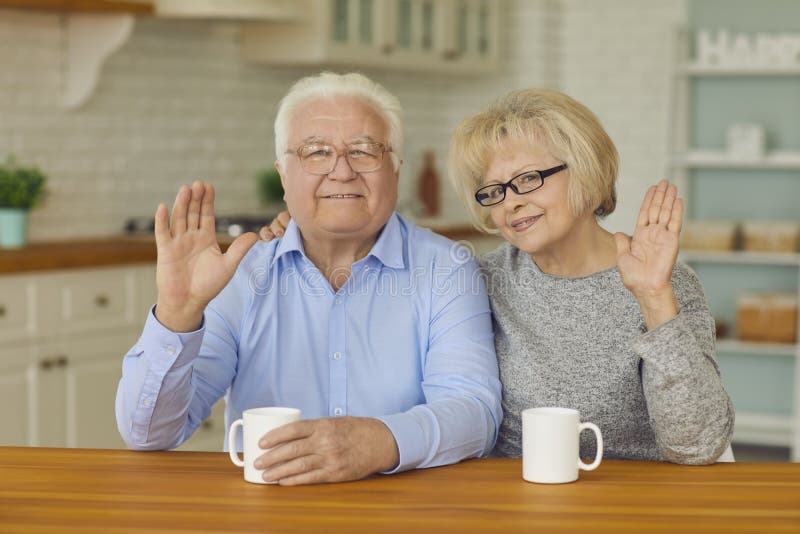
20 187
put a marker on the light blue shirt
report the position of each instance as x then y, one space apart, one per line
407 339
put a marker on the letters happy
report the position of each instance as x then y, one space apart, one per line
743 50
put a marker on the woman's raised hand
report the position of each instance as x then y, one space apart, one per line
191 268
646 261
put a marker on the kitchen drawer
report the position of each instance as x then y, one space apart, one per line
17 317
87 300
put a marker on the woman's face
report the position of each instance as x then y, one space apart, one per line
538 221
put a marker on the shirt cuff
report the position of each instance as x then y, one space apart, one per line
165 349
407 433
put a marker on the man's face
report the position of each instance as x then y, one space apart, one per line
343 203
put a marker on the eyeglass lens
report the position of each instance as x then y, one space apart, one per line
362 157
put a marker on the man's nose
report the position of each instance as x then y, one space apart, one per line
342 169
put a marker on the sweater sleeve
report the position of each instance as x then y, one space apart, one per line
689 409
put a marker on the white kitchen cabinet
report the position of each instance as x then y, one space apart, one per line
453 36
91 378
15 396
210 435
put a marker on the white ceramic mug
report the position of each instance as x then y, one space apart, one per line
255 423
551 445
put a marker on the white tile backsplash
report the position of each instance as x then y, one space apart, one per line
175 104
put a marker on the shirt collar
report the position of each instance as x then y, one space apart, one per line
388 249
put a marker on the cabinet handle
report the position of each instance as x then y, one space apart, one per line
46 364
62 361
207 425
387 49
2 311
102 301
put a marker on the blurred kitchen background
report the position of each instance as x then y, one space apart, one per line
118 103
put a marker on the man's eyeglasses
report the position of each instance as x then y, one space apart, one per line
525 182
318 158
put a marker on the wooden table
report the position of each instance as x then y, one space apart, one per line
83 490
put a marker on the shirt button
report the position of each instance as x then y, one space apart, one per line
338 300
148 402
170 349
337 355
338 411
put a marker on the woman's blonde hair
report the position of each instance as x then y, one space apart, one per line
567 128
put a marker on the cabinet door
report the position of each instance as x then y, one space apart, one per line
17 318
15 397
92 375
87 300
210 435
49 423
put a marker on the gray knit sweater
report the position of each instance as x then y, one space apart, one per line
582 343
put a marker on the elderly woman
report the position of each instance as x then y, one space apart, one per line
583 318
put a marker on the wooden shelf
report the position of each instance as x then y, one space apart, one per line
740 257
734 346
718 159
83 6
694 69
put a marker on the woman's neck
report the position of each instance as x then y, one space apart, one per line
587 249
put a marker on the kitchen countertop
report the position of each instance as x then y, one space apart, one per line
124 249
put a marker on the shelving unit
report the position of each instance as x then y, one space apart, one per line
753 425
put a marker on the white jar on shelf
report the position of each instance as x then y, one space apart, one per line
746 141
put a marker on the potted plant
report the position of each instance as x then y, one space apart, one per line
270 189
21 188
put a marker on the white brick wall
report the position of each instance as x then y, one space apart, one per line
176 103
617 60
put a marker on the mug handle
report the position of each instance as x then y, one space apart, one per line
599 456
232 443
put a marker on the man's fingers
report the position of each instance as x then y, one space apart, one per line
317 476
645 209
178 222
288 432
162 225
237 250
286 452
658 200
665 214
207 220
676 220
293 467
193 216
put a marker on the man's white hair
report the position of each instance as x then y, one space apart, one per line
328 84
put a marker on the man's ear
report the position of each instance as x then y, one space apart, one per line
280 172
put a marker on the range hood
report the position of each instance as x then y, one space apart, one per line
231 9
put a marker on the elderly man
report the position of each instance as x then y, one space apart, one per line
367 323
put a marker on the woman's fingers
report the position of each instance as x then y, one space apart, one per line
207 220
266 234
193 216
641 220
666 208
179 209
283 218
658 200
676 219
